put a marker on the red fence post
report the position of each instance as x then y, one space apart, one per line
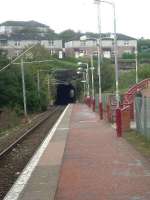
107 108
93 104
101 110
85 99
90 101
132 110
147 84
118 122
108 113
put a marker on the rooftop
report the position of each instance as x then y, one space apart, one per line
124 37
107 36
31 23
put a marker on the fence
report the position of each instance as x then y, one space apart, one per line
104 100
128 98
142 115
123 115
111 108
123 119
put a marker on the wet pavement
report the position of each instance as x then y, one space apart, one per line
99 166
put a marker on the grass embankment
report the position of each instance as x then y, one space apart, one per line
140 142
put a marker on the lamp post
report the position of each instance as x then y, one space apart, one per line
116 55
99 58
136 61
93 91
99 51
83 81
115 47
88 99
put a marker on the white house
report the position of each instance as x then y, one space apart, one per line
16 35
14 44
79 48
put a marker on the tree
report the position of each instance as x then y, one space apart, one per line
3 58
69 35
128 56
39 52
107 75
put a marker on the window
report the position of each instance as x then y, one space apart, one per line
126 43
83 43
51 43
17 43
3 43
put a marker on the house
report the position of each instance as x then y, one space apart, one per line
10 27
78 48
16 35
14 44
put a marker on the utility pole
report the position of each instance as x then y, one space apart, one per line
48 87
99 50
116 57
38 83
23 89
88 81
84 79
93 91
136 61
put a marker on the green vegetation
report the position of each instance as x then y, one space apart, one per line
69 35
3 58
11 83
128 56
143 52
8 119
139 142
107 76
11 97
127 78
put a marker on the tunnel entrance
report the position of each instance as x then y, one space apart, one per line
65 94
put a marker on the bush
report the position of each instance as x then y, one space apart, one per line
8 119
127 78
128 56
107 76
144 71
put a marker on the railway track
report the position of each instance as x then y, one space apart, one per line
14 144
15 157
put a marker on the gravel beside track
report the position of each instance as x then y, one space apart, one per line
12 165
12 134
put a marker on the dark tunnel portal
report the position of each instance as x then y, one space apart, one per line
65 94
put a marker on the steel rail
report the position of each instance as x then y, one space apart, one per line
20 139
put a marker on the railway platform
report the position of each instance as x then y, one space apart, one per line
82 159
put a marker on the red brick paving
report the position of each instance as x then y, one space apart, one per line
99 166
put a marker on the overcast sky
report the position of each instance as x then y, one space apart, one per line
132 15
